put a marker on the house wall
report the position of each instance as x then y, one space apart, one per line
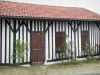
94 37
7 37
7 42
50 47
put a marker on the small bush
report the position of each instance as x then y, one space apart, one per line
20 48
90 52
65 48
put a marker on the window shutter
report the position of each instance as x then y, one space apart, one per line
59 39
84 37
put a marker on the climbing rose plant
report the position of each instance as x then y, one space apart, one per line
65 48
90 52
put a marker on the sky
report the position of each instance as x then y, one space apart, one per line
93 5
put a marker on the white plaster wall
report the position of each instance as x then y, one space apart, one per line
11 46
3 41
46 43
29 42
7 45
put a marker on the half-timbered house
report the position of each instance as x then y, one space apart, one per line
44 27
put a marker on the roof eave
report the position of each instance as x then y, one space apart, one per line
47 18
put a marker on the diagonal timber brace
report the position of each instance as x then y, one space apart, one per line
49 24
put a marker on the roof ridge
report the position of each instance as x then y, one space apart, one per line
44 5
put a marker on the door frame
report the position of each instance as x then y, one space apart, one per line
43 47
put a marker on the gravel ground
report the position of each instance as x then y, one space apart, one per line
79 69
87 74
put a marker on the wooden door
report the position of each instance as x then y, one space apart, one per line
37 48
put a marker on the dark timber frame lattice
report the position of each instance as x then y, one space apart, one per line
71 27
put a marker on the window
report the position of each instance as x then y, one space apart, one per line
59 39
84 38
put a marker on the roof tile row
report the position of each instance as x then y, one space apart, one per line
13 9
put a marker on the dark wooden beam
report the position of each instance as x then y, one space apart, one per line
78 24
14 44
19 25
0 40
6 40
49 24
9 24
26 24
97 23
30 42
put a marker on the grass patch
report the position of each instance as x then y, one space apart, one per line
57 69
74 65
78 62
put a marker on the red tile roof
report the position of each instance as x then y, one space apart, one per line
14 9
